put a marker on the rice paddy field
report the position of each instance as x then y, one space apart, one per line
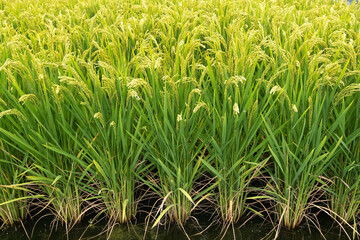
230 108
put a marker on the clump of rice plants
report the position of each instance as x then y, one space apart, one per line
57 176
237 146
176 122
300 160
14 200
112 150
344 173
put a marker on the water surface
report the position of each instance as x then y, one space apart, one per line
255 229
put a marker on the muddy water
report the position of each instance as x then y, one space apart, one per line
253 230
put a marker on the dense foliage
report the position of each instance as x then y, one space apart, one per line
226 106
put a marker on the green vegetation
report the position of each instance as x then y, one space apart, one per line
230 107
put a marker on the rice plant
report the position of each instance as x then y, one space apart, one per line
112 150
344 190
57 176
177 126
236 144
14 200
295 181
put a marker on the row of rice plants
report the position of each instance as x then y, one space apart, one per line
201 105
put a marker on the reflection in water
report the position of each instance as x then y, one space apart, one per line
253 230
